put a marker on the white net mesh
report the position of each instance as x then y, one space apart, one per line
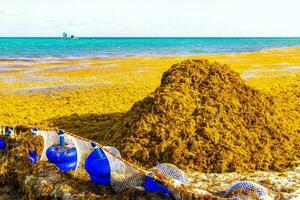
123 176
83 148
172 171
246 187
50 138
116 165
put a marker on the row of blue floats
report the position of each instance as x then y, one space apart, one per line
65 157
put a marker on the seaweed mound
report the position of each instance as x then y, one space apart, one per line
204 117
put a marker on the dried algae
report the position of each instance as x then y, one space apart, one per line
204 117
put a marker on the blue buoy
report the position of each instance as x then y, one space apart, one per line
97 165
8 132
34 131
169 170
2 144
154 186
62 155
33 155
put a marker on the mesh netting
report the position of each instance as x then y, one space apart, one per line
172 171
124 175
50 137
246 187
172 177
83 150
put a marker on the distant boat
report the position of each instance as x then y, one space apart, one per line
72 37
65 35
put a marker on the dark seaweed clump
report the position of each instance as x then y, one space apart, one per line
204 117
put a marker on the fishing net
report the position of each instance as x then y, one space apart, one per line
169 179
243 188
173 172
126 176
123 176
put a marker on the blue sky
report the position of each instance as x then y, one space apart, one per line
150 18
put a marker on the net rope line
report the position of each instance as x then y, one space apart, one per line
87 140
176 188
104 149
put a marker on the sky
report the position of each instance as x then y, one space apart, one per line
151 18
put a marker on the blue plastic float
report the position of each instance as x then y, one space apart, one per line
33 155
34 131
172 171
97 165
154 186
63 156
9 131
3 145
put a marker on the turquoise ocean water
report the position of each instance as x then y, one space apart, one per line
106 47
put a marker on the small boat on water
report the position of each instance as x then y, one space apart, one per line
72 37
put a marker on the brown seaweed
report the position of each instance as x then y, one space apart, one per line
204 117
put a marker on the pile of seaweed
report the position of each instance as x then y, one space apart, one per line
204 117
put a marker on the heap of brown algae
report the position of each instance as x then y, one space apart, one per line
203 117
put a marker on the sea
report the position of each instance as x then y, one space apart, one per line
101 47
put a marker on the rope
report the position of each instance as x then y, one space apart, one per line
102 147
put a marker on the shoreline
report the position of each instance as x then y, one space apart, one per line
134 56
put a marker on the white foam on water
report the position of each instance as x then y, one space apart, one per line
49 88
255 73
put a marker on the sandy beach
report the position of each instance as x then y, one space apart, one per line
54 92
87 96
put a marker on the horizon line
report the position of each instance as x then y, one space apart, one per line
153 36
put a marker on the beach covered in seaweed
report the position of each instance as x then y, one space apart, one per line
198 116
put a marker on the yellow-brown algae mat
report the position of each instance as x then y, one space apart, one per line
88 97
86 89
205 118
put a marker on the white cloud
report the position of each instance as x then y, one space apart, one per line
150 18
10 12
